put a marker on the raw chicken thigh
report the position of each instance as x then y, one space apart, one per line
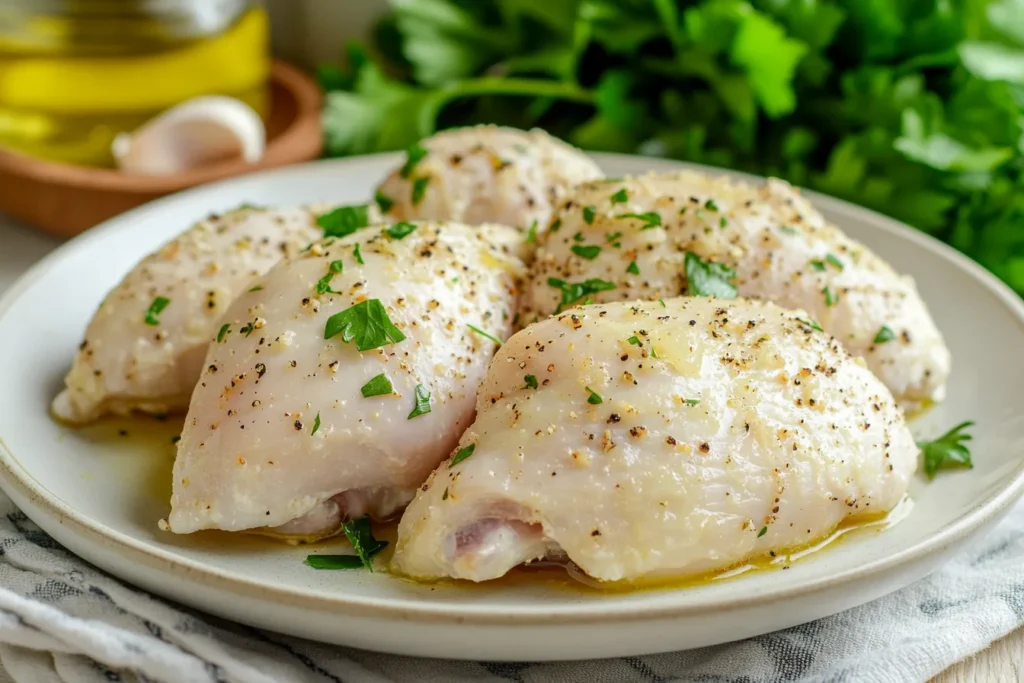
336 388
485 174
143 349
645 439
647 237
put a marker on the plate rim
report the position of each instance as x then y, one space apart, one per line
13 475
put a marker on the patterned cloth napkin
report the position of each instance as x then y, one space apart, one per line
62 620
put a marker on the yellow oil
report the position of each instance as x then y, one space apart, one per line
62 104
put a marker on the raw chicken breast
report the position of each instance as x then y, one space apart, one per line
644 439
485 174
292 432
143 349
632 237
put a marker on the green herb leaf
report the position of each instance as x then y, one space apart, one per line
531 381
462 454
531 234
620 197
588 214
762 532
818 265
810 323
707 278
587 252
634 340
223 331
578 237
344 220
419 188
594 398
884 335
247 328
692 401
788 230
613 237
422 402
834 260
334 562
399 231
947 451
360 535
367 323
831 299
574 291
651 219
383 201
413 156
358 255
155 308
257 288
323 285
378 386
316 424
555 225
710 205
484 334
633 268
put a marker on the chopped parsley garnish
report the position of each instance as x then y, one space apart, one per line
788 230
531 381
588 214
578 237
811 324
651 219
613 237
323 285
256 288
360 535
834 260
419 188
223 331
367 323
462 454
378 386
358 255
633 268
249 207
594 398
620 197
158 305
947 451
422 402
555 225
589 252
707 278
662 302
818 265
710 205
574 291
531 234
884 335
444 496
316 424
344 220
831 299
334 561
762 532
413 156
383 201
634 340
484 334
247 328
399 231
692 401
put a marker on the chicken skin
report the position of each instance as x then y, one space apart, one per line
143 349
647 237
646 440
334 390
485 174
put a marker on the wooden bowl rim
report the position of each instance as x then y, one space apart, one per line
305 125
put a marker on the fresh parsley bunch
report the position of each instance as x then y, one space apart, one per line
913 108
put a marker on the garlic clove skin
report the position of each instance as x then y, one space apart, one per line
195 133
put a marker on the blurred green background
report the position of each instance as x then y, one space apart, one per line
914 108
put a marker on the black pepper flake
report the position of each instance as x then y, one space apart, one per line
298 425
261 369
705 447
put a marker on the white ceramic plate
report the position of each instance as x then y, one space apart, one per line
101 494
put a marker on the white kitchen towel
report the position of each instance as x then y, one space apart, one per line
64 621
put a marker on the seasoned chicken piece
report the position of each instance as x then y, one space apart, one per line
338 386
485 174
143 349
647 440
648 237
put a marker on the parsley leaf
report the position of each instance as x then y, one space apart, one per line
651 219
344 220
831 299
947 451
834 260
574 291
588 214
884 335
334 562
316 424
531 234
257 288
419 188
594 399
620 197
555 225
484 334
762 532
378 386
323 285
413 156
383 201
399 231
810 323
708 278
422 396
223 331
531 381
692 401
360 535
818 265
358 255
587 252
367 323
155 308
633 268
462 454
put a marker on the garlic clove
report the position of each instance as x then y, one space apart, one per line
195 133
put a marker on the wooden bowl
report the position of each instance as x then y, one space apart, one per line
64 200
